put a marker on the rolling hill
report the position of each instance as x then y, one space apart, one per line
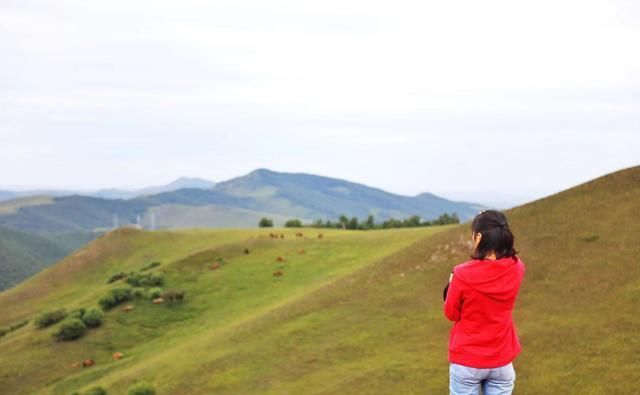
357 313
24 254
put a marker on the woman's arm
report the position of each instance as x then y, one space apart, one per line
453 299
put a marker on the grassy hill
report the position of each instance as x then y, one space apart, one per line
24 254
358 313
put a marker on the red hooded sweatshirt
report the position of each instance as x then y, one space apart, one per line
479 300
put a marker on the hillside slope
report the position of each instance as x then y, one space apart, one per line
24 254
359 313
217 300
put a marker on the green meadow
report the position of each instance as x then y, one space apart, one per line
359 312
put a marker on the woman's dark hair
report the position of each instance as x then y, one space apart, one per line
496 235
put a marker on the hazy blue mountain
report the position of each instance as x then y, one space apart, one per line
310 196
261 192
180 183
114 193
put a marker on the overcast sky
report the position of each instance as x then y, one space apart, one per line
486 101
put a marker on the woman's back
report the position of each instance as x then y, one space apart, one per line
480 300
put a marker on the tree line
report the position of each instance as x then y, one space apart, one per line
344 222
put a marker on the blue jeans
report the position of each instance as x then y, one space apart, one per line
465 380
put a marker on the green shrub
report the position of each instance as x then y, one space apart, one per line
71 329
117 277
115 297
154 292
150 266
173 295
146 280
46 319
77 313
95 391
13 327
93 317
293 223
19 325
142 388
137 292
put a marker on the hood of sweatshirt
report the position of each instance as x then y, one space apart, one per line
498 279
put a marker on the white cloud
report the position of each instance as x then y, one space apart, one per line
214 89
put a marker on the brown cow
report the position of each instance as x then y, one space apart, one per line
88 362
301 251
127 308
215 266
280 259
278 273
158 300
117 355
319 235
281 235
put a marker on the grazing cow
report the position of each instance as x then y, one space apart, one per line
278 273
299 234
158 300
117 355
88 362
281 235
215 266
246 251
127 308
319 235
301 252
280 259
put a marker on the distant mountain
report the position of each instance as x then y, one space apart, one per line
114 193
310 196
180 183
243 200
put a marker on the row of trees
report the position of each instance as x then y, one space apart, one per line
345 222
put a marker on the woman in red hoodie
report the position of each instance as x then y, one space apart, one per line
479 299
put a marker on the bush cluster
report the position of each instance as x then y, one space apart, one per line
142 388
115 297
93 317
71 329
92 391
46 319
173 295
146 279
150 266
13 327
117 277
154 292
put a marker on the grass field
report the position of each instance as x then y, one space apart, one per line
358 313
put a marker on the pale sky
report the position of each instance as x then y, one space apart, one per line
484 101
